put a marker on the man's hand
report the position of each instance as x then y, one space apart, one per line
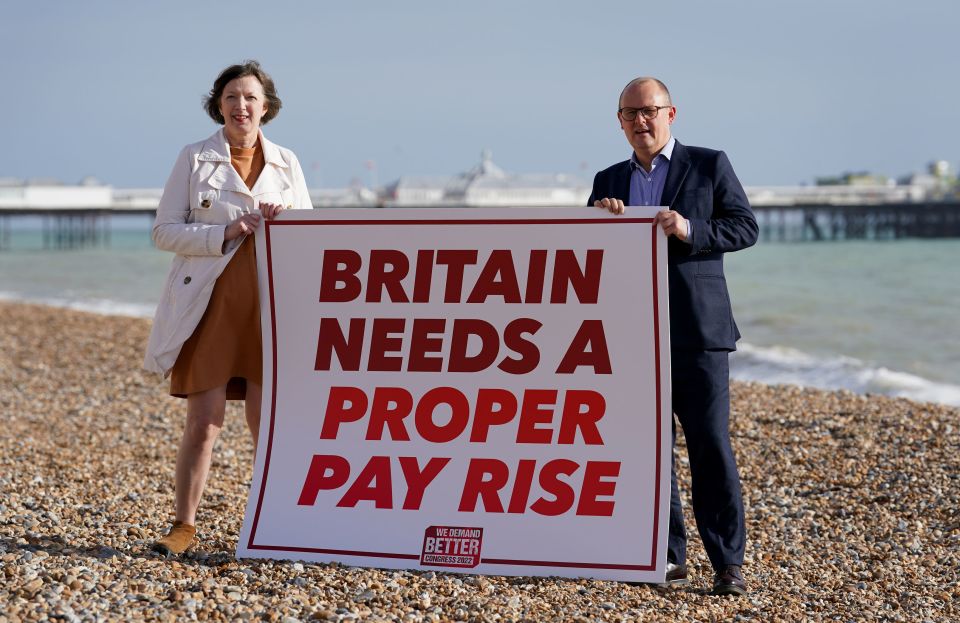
613 205
672 223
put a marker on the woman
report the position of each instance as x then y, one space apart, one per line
206 332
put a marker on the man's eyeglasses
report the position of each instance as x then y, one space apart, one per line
648 112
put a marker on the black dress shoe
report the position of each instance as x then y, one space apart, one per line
729 581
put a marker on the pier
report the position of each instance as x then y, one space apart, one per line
80 227
72 217
69 216
63 229
888 221
66 228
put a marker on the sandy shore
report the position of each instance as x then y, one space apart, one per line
853 509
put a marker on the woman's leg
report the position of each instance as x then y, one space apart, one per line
205 411
251 405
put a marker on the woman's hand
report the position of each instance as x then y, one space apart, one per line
247 223
270 210
243 226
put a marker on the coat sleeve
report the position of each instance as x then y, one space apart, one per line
732 225
172 229
301 192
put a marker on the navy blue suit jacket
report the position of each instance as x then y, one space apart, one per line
702 186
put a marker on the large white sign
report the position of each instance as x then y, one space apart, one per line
474 390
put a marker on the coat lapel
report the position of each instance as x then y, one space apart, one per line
271 179
224 176
679 166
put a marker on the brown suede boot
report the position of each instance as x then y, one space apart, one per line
178 540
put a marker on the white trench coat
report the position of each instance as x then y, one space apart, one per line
203 195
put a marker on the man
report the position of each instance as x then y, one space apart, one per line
708 216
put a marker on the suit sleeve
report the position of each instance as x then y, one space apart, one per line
732 225
594 195
604 183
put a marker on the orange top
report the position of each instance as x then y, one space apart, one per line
221 350
248 161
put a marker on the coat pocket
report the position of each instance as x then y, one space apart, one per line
713 312
207 207
206 199
712 267
178 278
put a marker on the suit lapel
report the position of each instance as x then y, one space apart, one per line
679 166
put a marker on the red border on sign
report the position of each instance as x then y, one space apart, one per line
268 225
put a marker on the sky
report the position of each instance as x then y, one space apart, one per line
373 90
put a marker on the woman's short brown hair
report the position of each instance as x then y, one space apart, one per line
211 102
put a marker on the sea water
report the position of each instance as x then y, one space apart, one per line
868 316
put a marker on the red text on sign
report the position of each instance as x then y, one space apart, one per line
386 270
486 478
443 414
374 483
425 343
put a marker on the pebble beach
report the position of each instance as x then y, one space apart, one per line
853 509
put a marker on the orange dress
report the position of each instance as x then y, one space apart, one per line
226 347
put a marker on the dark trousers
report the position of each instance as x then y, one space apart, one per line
701 403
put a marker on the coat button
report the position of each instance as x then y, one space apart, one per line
186 280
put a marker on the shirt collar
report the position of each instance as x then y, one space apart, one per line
666 152
217 149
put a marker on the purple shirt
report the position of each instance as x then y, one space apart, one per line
646 187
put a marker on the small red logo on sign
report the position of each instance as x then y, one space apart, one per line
449 546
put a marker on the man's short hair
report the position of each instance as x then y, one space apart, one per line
642 80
